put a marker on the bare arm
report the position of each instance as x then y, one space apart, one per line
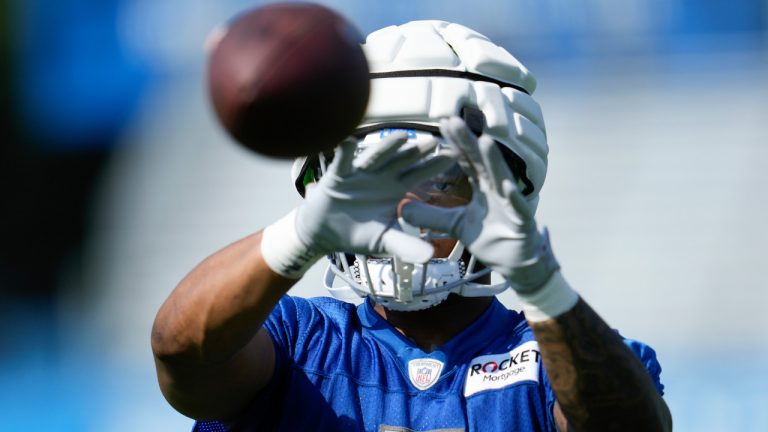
598 381
211 353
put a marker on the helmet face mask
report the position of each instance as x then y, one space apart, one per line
403 286
421 72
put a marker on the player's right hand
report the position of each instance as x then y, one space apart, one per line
353 207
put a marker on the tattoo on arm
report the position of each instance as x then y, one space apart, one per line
598 381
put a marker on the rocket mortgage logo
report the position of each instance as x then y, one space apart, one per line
495 371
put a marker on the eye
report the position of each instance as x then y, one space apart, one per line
440 186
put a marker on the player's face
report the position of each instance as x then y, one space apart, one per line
449 189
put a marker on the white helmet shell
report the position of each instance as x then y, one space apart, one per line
423 71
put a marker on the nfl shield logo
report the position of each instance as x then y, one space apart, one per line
424 372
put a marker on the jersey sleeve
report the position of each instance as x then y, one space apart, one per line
647 357
290 323
287 325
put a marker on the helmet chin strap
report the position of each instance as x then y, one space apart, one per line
403 286
404 271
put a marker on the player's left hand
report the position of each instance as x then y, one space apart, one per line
497 226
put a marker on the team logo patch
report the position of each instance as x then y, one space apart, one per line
424 372
495 371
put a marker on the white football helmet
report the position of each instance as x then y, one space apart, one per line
421 72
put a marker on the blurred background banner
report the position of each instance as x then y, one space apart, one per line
116 180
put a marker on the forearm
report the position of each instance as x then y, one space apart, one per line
218 307
598 381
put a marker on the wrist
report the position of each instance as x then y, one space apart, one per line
283 251
554 298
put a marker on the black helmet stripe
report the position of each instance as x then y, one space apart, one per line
445 73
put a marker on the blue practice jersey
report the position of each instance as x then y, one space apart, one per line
341 367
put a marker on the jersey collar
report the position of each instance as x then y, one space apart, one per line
458 350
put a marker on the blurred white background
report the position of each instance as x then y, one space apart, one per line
655 199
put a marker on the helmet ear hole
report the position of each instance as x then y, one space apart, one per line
518 167
474 118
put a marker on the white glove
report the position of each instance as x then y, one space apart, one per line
497 225
353 208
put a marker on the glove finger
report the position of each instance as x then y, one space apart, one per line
345 154
502 178
406 247
423 171
456 131
513 195
494 161
409 154
378 154
441 219
461 158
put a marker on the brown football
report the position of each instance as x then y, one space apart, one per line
289 79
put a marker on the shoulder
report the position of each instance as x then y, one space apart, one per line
296 321
647 356
306 310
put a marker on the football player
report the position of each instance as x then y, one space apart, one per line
436 189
